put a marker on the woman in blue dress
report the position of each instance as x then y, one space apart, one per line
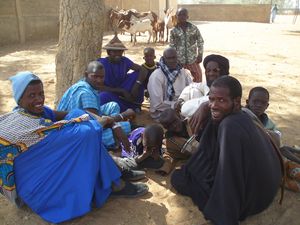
53 161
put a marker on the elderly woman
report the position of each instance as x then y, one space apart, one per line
197 93
56 167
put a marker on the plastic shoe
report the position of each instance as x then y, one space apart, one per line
131 190
151 163
125 163
133 175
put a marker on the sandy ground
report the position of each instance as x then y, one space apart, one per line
260 55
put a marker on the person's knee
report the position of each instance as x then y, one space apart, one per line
179 181
110 109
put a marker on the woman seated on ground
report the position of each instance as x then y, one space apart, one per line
56 167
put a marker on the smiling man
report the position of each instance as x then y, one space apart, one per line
236 171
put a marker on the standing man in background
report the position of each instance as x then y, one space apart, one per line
274 11
186 38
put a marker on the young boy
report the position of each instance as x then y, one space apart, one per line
180 143
177 134
150 65
258 102
146 144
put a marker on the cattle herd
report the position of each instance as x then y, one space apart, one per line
133 22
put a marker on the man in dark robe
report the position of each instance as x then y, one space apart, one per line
236 171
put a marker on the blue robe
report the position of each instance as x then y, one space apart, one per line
62 176
117 76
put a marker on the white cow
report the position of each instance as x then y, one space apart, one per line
137 26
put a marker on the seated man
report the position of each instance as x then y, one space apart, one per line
120 86
236 172
196 93
166 83
54 161
85 95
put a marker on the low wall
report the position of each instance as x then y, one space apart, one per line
229 12
23 20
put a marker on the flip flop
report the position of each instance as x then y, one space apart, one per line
150 163
133 175
131 190
125 163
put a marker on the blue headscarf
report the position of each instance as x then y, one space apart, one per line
20 82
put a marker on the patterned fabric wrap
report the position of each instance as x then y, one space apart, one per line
19 131
171 77
136 141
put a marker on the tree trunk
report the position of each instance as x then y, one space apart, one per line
80 40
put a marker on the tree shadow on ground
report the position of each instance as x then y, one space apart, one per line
293 32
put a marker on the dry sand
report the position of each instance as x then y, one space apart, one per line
260 54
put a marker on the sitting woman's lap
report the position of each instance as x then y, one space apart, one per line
59 177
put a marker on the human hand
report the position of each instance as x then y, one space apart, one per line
199 59
142 157
128 114
105 120
178 105
199 118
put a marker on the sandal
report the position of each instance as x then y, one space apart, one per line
125 163
151 163
133 175
131 190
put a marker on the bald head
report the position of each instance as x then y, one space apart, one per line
94 66
182 16
95 74
170 120
181 10
169 51
170 58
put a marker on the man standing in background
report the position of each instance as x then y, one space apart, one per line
186 38
274 11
